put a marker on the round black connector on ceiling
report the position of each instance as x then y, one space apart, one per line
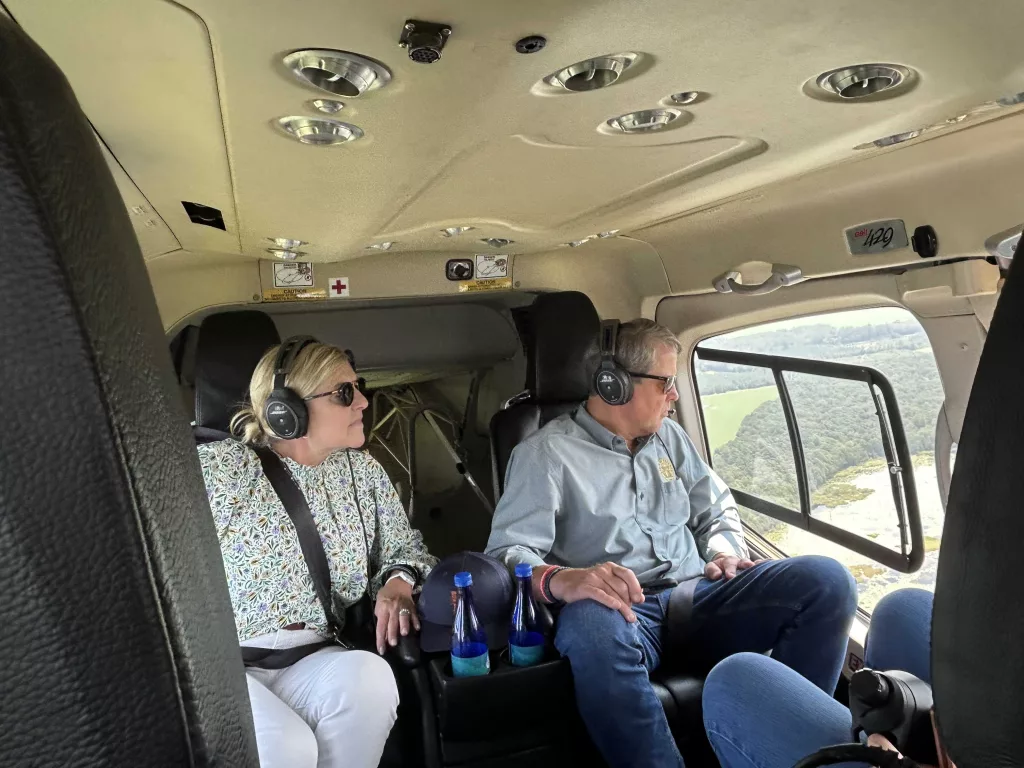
531 44
925 242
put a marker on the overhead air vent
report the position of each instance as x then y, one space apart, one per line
684 98
644 121
287 243
284 253
327 106
455 231
205 215
863 80
497 242
592 74
342 74
318 131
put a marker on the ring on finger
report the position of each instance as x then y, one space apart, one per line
404 612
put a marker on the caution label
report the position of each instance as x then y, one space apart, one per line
475 286
294 294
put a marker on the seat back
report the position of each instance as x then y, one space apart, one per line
563 333
230 346
977 664
119 647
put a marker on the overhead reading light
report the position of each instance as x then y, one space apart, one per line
592 74
609 233
578 243
327 106
644 121
284 253
318 131
286 243
455 231
385 246
497 242
863 80
338 72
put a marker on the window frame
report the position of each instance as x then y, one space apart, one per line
894 443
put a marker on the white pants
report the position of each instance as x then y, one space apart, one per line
333 708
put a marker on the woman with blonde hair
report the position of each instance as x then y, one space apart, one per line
331 706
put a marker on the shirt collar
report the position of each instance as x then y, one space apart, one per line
601 434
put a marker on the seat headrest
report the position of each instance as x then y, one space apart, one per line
977 664
565 330
230 346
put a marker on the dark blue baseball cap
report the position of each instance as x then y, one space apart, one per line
492 597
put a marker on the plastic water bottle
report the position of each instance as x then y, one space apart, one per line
525 640
469 641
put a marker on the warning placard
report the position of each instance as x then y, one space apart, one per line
293 294
492 284
293 274
491 266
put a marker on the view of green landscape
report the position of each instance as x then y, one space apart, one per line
839 428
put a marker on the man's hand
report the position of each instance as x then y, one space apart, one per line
609 584
395 611
726 566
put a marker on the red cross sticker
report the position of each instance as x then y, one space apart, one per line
338 287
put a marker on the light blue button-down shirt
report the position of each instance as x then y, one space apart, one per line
576 496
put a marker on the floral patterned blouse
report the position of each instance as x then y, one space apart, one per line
268 580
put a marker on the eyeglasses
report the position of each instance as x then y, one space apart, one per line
343 395
668 383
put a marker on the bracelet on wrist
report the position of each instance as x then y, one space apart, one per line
545 584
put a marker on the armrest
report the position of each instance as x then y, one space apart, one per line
406 653
545 617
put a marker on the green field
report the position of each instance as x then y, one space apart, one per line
724 413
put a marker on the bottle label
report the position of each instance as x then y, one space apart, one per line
474 665
526 655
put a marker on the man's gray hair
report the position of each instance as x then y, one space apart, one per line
639 343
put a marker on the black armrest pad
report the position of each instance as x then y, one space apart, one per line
545 618
407 652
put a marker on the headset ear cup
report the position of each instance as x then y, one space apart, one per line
286 414
613 385
627 386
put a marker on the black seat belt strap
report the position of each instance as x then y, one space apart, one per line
309 538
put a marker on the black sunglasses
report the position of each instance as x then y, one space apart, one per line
668 382
345 394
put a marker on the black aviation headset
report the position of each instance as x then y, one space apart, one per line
286 412
612 382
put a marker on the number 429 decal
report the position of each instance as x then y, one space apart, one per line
877 237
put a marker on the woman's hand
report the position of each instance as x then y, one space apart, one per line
395 612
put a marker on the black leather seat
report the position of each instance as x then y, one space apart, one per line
119 648
977 664
562 332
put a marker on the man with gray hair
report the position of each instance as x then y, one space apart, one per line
613 507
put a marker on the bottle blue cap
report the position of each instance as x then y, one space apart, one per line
523 570
464 579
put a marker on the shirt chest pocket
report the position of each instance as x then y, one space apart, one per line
675 503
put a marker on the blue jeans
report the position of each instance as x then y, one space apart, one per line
801 608
760 714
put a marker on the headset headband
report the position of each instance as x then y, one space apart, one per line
286 355
609 338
